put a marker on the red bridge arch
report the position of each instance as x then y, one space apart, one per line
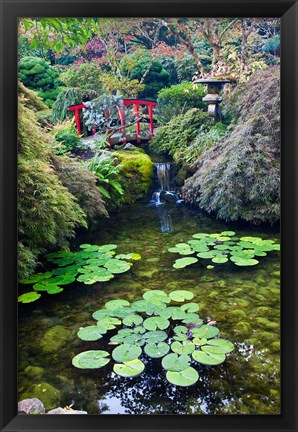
136 104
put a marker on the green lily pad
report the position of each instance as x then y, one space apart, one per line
107 247
186 347
225 345
219 259
36 278
101 313
155 336
205 332
139 330
228 233
29 297
206 255
130 256
93 359
157 296
124 353
132 319
199 342
180 329
181 295
54 290
192 318
246 262
156 350
183 262
210 267
121 312
108 322
190 307
155 323
117 266
208 359
115 304
148 307
129 369
176 313
184 378
174 363
91 333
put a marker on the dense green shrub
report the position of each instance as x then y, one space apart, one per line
85 76
103 166
239 178
47 212
74 175
135 66
38 75
30 99
206 138
67 138
177 135
68 97
178 99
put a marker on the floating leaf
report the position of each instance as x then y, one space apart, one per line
124 353
91 333
36 278
208 359
156 350
184 378
246 262
129 369
93 359
100 313
219 259
192 318
132 319
157 296
183 262
121 312
173 362
181 295
205 331
228 233
115 304
225 345
148 307
186 347
54 290
29 297
176 313
155 323
199 342
190 307
117 266
155 336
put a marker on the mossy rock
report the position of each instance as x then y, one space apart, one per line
34 372
243 328
135 176
238 313
45 392
54 338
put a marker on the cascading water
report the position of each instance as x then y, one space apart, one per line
165 194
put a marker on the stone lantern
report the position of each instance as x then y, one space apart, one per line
213 98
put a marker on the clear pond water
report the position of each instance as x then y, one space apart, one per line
245 302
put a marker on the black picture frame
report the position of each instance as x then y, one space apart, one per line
288 12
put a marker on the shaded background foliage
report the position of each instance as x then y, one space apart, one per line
239 177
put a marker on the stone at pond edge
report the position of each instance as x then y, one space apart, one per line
60 410
54 338
45 392
31 406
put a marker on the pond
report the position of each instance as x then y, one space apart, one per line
245 302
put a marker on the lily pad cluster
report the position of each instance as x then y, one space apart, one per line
219 248
160 326
93 263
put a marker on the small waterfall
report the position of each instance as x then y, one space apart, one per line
163 175
165 194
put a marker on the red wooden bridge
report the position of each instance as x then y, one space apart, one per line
136 105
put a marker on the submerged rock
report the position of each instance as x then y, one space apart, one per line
46 393
54 338
31 406
34 371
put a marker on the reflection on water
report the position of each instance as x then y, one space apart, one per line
244 302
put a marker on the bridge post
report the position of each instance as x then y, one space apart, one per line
138 128
77 118
150 112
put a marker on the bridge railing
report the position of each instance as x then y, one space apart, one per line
126 102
